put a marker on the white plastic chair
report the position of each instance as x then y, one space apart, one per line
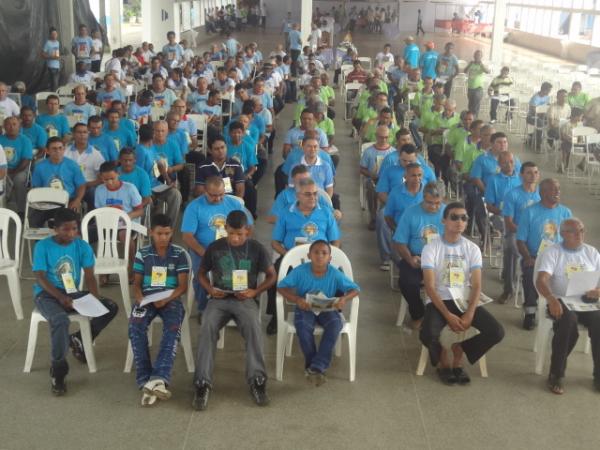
285 324
366 62
9 266
84 327
201 125
362 195
39 198
40 100
347 88
109 221
157 113
186 339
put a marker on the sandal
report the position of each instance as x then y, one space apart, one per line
461 376
446 376
555 384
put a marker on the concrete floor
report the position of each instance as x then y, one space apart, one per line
386 407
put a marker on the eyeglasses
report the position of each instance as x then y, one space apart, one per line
457 217
382 136
310 194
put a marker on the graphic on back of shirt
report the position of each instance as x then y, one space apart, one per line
429 232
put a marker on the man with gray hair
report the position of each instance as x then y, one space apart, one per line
418 225
555 268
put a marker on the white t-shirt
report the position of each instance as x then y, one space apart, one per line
382 57
188 55
315 37
451 263
114 65
87 78
560 263
89 162
97 47
8 107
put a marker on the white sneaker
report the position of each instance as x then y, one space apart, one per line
385 266
148 399
158 389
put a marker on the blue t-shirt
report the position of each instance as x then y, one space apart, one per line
417 227
231 45
266 98
286 198
194 98
305 282
517 200
203 219
486 166
55 259
173 52
499 185
82 47
428 63
106 146
81 112
36 134
16 150
411 55
295 156
390 177
138 178
393 160
56 125
137 112
372 159
179 139
295 40
399 200
126 198
244 154
320 172
66 174
144 157
540 226
105 98
203 107
295 136
168 151
319 224
447 65
121 137
52 48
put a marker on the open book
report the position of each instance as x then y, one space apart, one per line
460 295
320 302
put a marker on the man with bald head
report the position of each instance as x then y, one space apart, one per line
556 265
537 230
188 126
507 179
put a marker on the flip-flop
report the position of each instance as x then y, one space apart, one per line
555 384
446 376
461 376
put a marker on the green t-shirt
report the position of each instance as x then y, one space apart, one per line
371 130
326 93
475 75
429 119
424 101
383 87
327 126
456 135
578 101
467 153
445 123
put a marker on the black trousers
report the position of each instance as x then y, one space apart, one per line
281 180
494 107
439 159
490 332
250 197
272 292
410 283
529 292
566 335
294 69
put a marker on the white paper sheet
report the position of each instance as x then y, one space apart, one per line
156 297
581 282
161 188
460 296
576 304
89 306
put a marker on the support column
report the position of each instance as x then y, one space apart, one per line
158 19
498 32
574 26
66 31
114 17
305 19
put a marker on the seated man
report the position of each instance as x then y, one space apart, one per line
320 278
555 267
319 170
57 172
79 108
57 264
218 164
234 262
101 140
36 134
54 122
418 226
130 172
452 274
499 185
19 153
117 131
159 267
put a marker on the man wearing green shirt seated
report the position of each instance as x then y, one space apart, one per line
385 118
576 98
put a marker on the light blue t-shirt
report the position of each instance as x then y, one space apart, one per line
67 173
36 134
417 226
393 160
304 281
139 178
266 98
319 224
447 65
180 139
16 150
106 146
411 55
81 112
295 156
173 52
126 198
428 63
372 158
203 219
168 151
244 154
286 198
539 223
320 172
137 112
231 45
144 157
517 200
195 98
203 107
56 125
295 136
498 186
400 199
295 40
486 166
106 98
82 47
55 259
51 48
391 177
121 137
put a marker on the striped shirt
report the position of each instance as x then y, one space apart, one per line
147 259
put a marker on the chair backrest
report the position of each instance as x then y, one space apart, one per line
108 223
325 195
6 216
44 195
157 113
235 197
16 97
199 120
365 146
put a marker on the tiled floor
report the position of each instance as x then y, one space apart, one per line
386 407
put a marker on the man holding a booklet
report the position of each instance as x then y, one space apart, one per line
160 279
568 277
57 264
452 273
234 263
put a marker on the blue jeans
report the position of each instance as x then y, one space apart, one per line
141 317
199 292
332 323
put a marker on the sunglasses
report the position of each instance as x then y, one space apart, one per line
456 217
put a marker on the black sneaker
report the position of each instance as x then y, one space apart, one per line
272 326
200 401
77 349
258 390
529 322
58 385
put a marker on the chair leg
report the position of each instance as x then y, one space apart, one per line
422 361
352 355
31 343
338 346
290 344
128 358
124 282
14 287
483 367
542 347
186 343
280 357
86 338
221 341
401 312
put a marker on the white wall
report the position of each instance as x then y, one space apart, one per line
430 12
159 18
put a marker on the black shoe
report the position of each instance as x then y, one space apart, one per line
272 326
461 376
529 322
447 376
258 390
200 401
57 380
77 349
